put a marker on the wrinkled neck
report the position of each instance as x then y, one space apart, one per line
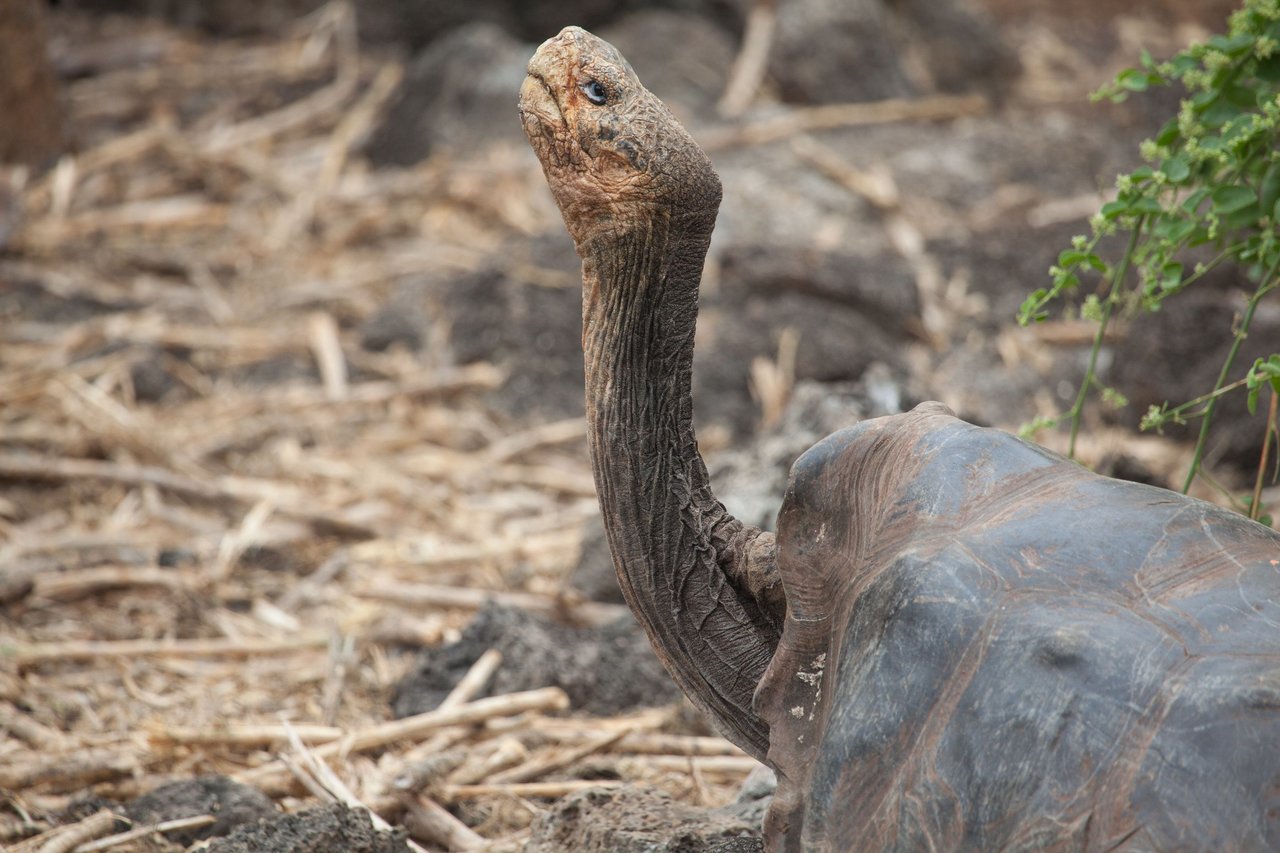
676 550
639 318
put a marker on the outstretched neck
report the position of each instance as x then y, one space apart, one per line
701 582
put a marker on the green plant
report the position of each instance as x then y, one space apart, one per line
1211 180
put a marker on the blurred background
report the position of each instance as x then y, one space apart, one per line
290 360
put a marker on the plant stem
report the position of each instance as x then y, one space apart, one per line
1206 268
1180 413
1255 506
1267 284
1077 409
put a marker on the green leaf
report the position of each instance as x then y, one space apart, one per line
1075 257
1269 69
1212 143
1200 100
1169 133
1176 169
1244 97
1174 230
1232 45
1271 369
1114 398
1219 113
1263 373
1114 209
1229 199
1170 276
1032 308
1245 217
1194 200
1146 204
1269 188
1184 62
1155 418
1132 79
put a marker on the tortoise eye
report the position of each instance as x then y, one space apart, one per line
595 92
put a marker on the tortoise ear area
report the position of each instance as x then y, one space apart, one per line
612 144
626 149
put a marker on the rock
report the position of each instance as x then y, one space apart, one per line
224 17
832 51
231 803
401 321
639 820
418 22
605 670
457 94
150 378
533 332
881 288
754 796
751 477
683 57
333 828
409 23
845 314
958 45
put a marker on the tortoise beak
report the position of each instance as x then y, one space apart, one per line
537 104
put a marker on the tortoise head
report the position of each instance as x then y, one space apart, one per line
612 153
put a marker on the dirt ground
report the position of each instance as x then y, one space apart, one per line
290 392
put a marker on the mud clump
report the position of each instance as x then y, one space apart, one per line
332 827
605 670
640 820
230 803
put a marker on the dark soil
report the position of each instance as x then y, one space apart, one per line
604 670
233 805
640 820
332 828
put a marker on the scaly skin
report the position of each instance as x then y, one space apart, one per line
958 641
639 198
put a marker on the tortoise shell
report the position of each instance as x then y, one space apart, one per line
989 647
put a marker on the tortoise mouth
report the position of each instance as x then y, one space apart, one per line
539 111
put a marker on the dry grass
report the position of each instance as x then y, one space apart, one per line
191 583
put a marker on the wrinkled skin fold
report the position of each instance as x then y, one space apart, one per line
957 640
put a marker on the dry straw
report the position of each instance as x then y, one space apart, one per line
221 518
